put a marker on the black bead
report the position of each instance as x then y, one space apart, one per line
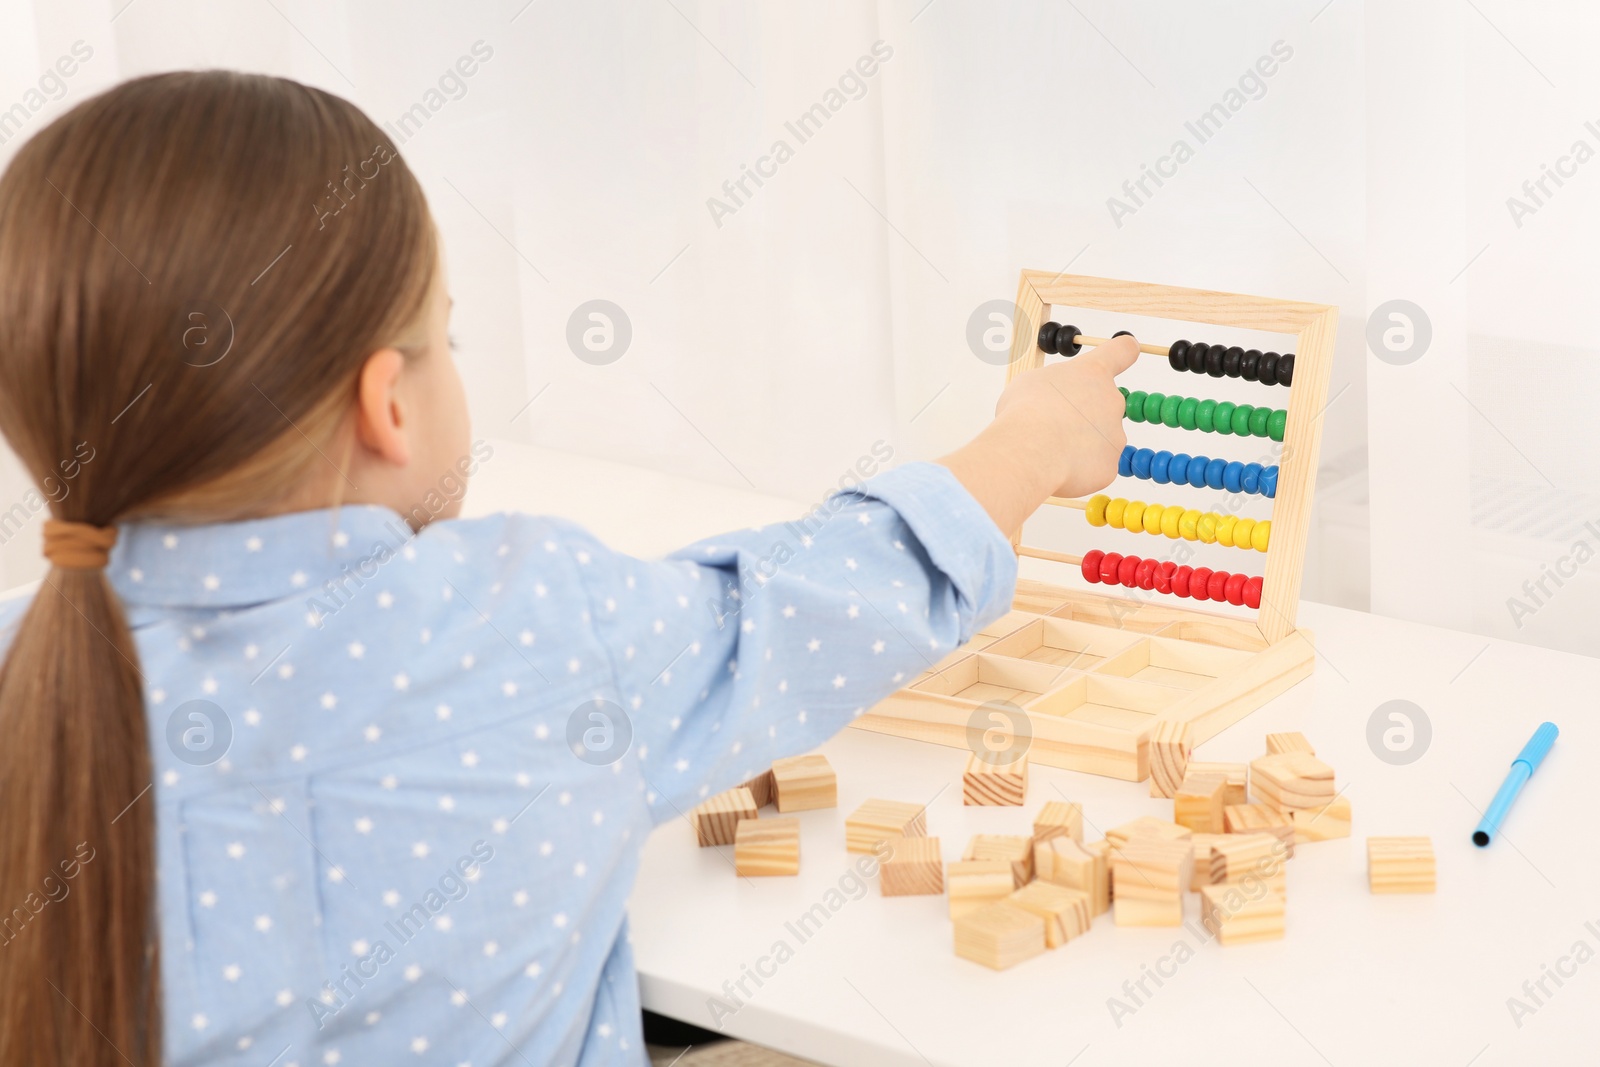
1269 368
1214 360
1064 343
1250 365
1122 333
1230 361
1286 369
1047 337
1177 354
1197 357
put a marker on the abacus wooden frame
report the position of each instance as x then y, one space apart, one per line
1236 664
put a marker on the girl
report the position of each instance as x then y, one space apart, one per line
293 776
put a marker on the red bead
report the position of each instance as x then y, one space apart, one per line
1091 565
1108 567
1252 593
1234 590
1146 574
1200 583
1127 569
1180 580
1164 575
1217 587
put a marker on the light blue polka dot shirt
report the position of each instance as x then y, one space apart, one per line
402 781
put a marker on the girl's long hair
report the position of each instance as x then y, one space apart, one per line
193 267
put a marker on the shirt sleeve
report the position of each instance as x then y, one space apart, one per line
764 643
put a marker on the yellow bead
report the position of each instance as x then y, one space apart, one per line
1133 516
1225 529
1152 518
1206 528
1169 520
1261 535
1241 532
1096 511
1114 512
1188 524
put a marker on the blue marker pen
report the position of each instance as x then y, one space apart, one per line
1522 769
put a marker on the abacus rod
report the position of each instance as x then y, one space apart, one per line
1054 557
1095 342
1068 502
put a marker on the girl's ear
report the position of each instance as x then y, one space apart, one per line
380 418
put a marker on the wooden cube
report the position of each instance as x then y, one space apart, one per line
766 847
1400 865
1290 742
1257 858
761 788
1102 849
1064 862
1170 745
1237 775
1058 819
1238 916
1147 826
1256 818
1292 780
804 783
994 784
1198 803
1066 912
1326 823
912 867
1201 875
879 820
1149 877
999 935
1012 848
974 883
716 820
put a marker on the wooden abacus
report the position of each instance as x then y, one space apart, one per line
1086 675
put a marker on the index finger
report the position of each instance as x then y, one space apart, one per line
1116 355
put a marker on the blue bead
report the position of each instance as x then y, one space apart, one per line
1159 467
1269 481
1125 461
1214 471
1178 469
1233 477
1197 471
1141 463
1252 478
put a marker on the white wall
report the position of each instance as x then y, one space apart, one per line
773 345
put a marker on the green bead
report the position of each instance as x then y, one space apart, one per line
1123 389
1258 421
1241 419
1223 417
1203 413
1275 424
1186 412
1152 407
1169 410
1136 401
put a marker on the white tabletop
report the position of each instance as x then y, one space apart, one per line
1358 979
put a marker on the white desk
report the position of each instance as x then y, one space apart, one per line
1358 979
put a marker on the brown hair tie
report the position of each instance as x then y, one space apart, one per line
78 546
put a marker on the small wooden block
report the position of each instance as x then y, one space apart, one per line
1198 803
1290 742
804 783
1065 911
1202 860
913 867
1257 858
994 784
1292 780
1058 819
1237 775
761 788
1150 878
1238 915
716 820
1147 826
1400 865
974 883
765 847
999 935
1012 848
879 820
1258 818
1102 849
1322 824
1064 862
1170 745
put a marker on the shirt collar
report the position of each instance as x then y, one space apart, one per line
233 564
